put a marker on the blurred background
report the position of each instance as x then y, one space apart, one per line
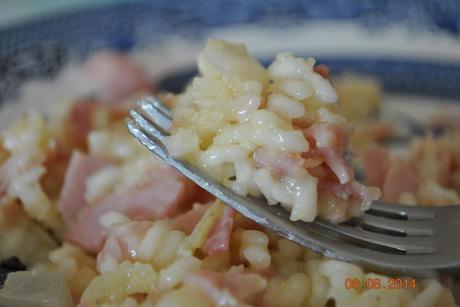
412 46
432 13
14 12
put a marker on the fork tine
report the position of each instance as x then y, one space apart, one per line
408 227
159 105
137 131
399 211
148 126
409 245
155 112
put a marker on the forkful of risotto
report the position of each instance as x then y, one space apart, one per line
269 142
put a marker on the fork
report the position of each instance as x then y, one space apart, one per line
388 238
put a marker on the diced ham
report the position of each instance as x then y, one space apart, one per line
167 193
218 241
339 165
115 76
188 220
282 163
80 123
319 171
381 131
72 200
230 288
202 196
329 143
401 177
376 161
323 70
86 115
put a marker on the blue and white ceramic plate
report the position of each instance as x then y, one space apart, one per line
412 47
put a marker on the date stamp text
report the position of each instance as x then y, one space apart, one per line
378 283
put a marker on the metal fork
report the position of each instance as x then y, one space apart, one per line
389 238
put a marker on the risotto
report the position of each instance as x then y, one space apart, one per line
88 217
270 132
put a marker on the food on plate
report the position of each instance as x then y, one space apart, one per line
426 173
89 217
